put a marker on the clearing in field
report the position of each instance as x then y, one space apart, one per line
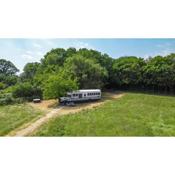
53 110
132 115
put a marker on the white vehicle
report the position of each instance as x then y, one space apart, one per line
81 95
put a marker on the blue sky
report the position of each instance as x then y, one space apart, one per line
22 51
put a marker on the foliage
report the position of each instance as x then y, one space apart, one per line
57 85
87 73
7 98
103 59
29 71
7 68
127 71
26 91
159 72
53 59
90 69
2 85
7 73
132 115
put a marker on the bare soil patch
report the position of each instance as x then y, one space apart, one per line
45 104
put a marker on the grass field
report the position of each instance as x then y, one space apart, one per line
132 115
13 116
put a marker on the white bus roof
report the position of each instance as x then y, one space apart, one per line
87 90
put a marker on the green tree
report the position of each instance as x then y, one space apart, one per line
7 68
159 73
57 85
127 71
29 71
88 73
103 59
55 57
8 72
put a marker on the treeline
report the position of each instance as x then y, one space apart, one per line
155 74
62 70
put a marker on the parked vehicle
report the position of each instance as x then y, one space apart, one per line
36 100
81 95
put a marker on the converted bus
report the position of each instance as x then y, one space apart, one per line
81 95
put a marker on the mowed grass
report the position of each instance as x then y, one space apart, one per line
13 116
132 115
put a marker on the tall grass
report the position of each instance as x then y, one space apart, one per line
132 115
13 116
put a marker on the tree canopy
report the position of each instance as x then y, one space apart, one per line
29 71
7 73
127 71
7 68
88 73
61 70
57 85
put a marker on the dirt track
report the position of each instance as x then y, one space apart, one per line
47 106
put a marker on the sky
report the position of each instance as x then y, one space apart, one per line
22 51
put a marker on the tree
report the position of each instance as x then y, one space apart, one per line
55 57
102 59
52 62
8 72
88 73
29 71
70 52
7 68
127 71
57 85
159 73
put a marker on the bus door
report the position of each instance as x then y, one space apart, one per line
80 95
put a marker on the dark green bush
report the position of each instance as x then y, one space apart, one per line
2 85
7 98
26 91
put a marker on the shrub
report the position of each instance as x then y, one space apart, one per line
6 99
26 91
2 85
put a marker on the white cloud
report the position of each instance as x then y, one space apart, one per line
29 52
28 57
146 56
163 52
39 53
80 44
36 45
165 45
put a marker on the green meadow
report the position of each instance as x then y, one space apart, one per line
134 114
14 116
